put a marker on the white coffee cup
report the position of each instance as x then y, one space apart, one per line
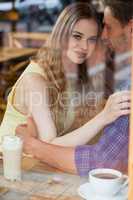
12 156
107 182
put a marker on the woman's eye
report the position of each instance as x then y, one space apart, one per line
92 40
78 37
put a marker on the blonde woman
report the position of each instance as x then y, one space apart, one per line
43 90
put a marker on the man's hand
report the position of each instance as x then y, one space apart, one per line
28 133
31 128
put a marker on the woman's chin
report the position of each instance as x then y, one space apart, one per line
78 61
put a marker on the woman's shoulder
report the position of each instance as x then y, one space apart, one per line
33 78
32 75
34 67
33 71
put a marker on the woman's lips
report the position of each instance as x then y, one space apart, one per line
80 54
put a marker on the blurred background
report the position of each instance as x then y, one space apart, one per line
33 15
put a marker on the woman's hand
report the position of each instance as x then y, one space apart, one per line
117 105
28 134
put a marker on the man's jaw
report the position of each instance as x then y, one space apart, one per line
108 44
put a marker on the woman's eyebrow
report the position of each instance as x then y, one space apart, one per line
77 32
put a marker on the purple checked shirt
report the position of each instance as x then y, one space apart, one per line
110 152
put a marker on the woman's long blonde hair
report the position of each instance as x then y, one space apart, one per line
50 59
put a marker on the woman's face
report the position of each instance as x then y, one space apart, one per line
82 41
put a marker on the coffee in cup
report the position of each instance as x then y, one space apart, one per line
106 176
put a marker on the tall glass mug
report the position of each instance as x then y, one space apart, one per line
12 156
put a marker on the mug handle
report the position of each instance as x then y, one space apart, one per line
126 181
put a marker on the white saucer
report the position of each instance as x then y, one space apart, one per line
85 191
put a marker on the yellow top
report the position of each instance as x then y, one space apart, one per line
12 117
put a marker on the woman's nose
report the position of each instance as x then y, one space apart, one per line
84 44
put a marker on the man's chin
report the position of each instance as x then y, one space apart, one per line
117 49
116 46
111 46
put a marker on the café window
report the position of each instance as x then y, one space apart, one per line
27 24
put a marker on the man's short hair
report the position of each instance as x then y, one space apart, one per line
121 9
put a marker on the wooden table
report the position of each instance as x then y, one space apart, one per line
9 54
39 183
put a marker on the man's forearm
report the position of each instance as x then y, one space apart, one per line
62 158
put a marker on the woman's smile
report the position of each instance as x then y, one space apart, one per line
80 54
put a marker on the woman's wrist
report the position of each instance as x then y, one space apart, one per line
102 118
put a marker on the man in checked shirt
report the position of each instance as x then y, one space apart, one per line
112 149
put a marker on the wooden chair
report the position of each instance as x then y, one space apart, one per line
19 66
18 39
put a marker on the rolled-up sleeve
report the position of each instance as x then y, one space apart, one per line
111 151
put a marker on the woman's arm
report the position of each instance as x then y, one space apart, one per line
83 134
36 101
